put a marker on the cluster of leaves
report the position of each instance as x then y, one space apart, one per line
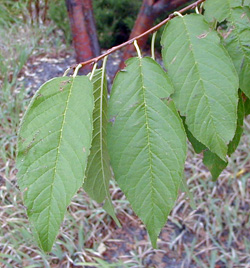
70 133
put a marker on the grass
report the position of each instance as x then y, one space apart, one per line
215 235
13 56
18 42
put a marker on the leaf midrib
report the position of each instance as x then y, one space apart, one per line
148 139
101 131
56 161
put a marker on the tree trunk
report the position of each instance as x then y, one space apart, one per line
91 26
44 16
83 30
149 11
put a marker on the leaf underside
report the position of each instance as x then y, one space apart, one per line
53 146
204 78
98 172
146 141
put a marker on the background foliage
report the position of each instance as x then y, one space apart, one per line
114 20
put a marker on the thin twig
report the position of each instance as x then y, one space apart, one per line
129 42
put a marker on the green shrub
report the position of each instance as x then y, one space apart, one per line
114 20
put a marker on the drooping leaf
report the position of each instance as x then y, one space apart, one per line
53 146
247 107
146 141
237 35
233 144
220 10
204 78
239 130
198 146
214 163
237 43
98 172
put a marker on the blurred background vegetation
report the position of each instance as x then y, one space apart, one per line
114 19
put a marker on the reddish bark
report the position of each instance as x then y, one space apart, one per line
37 9
83 30
149 11
44 16
90 22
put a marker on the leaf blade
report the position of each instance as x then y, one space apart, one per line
147 150
237 43
204 78
237 37
220 10
52 152
239 130
98 172
197 146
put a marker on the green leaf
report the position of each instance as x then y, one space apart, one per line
98 172
233 144
53 146
204 78
198 146
247 106
237 36
221 9
239 130
215 164
237 43
147 141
